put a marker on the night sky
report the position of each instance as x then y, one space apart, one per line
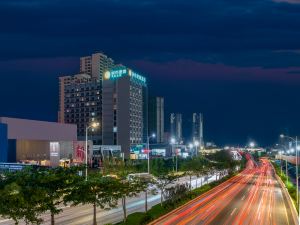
237 61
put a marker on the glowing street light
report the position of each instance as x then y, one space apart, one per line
252 144
94 125
148 150
173 142
196 143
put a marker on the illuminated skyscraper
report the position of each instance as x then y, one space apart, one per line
124 109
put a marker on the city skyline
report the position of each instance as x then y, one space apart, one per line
154 112
243 76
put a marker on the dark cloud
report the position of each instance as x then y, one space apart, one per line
153 29
218 56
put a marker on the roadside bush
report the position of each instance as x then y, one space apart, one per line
175 194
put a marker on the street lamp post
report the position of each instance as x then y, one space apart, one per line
280 153
297 176
286 170
148 149
196 143
191 148
252 144
173 141
93 125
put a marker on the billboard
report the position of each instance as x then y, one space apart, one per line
79 151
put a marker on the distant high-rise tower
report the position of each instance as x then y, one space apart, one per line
156 118
96 65
197 129
176 126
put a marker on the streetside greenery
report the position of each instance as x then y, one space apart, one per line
26 195
183 195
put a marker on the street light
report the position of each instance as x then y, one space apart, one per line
297 177
280 153
172 142
93 125
148 146
252 144
196 143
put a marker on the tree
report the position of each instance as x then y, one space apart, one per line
194 167
146 184
98 190
189 168
20 198
163 181
128 188
55 183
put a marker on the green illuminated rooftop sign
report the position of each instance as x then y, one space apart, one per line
117 73
136 76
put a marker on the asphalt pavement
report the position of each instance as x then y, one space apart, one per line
253 197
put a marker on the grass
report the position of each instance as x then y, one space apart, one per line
140 218
288 184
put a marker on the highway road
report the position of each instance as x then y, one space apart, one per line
83 214
253 197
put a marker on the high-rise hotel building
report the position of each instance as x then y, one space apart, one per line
80 100
124 109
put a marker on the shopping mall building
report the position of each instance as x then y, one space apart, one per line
39 142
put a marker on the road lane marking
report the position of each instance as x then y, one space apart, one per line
232 212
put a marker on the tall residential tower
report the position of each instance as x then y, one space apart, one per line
80 98
96 64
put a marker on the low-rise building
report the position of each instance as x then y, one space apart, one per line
38 142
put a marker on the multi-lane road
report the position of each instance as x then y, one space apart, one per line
253 197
